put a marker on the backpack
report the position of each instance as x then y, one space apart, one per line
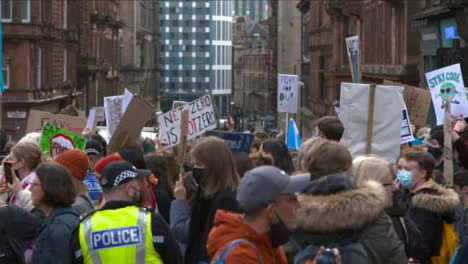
448 246
352 252
222 257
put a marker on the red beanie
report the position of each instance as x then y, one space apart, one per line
106 160
76 161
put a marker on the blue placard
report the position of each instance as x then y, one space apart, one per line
451 32
237 142
117 237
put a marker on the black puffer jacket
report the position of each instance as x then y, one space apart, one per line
17 229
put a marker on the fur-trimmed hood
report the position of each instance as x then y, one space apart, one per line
346 210
435 198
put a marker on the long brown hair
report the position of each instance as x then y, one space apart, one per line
220 169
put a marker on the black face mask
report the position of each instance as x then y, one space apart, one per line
435 152
279 233
198 174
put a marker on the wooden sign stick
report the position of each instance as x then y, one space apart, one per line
183 137
447 147
370 120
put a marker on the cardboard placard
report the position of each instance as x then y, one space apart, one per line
55 141
448 83
386 128
287 93
128 131
418 102
113 112
237 142
38 119
201 119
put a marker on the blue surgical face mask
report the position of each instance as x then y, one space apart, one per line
406 178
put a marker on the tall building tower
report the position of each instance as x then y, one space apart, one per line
196 44
254 10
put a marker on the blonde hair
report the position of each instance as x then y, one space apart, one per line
30 153
220 169
33 137
367 168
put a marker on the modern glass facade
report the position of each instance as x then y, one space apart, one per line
255 10
195 49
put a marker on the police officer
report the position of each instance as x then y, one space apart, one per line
123 231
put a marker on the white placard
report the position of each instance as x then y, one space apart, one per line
91 118
127 97
448 81
100 116
406 133
113 112
354 112
352 46
201 119
287 93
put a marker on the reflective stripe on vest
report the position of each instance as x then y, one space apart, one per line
111 236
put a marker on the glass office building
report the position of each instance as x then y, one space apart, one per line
254 10
196 50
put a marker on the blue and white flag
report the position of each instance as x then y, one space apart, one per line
2 87
294 139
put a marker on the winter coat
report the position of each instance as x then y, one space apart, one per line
201 222
17 229
53 245
461 145
180 222
83 204
428 207
229 226
350 214
462 222
163 200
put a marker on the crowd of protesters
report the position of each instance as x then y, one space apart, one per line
142 204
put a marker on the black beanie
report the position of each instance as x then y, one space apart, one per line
438 135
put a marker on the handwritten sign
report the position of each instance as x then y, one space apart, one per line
447 84
100 116
406 133
113 112
38 119
55 141
417 101
287 93
201 119
352 46
237 142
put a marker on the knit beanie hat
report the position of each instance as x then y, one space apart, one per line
106 160
438 135
76 161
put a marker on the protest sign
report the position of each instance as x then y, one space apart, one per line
352 47
406 133
128 131
55 141
386 126
38 119
91 125
287 93
418 102
237 142
201 119
100 116
113 112
448 83
127 97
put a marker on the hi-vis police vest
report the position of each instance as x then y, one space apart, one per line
118 236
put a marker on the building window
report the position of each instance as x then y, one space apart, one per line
39 68
65 65
25 11
6 73
5 10
64 15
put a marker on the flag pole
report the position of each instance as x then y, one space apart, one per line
287 129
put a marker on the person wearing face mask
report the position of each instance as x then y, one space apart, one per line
435 146
216 175
267 196
123 230
431 206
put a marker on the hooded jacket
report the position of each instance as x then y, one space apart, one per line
351 214
428 207
229 226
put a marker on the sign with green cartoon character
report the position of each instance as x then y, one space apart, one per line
448 83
